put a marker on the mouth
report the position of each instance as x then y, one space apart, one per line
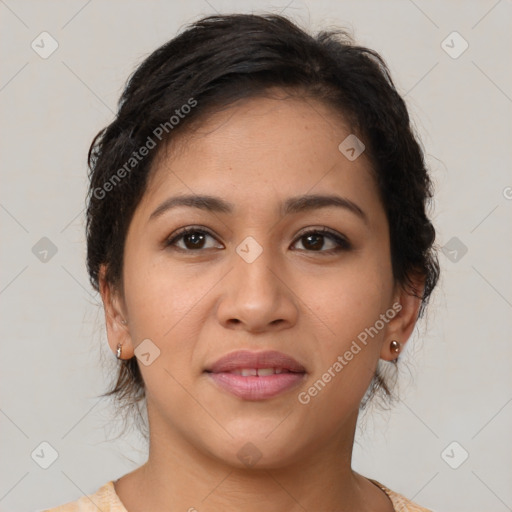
260 372
256 375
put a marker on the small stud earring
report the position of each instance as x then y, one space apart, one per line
119 351
395 346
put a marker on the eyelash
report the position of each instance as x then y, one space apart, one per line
342 243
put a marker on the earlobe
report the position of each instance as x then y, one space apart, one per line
401 326
118 332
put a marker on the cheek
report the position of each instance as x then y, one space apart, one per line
347 305
346 353
161 305
166 304
346 302
158 296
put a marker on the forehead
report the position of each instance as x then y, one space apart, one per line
259 149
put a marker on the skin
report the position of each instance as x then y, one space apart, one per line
298 297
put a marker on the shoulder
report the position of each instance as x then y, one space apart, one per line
104 499
400 503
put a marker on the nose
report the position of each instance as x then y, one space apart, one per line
257 296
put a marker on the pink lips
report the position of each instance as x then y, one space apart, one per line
256 375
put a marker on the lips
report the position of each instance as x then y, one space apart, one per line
260 372
245 359
256 375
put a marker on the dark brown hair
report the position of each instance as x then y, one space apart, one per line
221 59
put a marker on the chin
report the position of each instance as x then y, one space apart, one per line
261 444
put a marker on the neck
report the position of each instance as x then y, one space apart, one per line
214 486
179 476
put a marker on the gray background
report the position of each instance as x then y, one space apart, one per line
456 385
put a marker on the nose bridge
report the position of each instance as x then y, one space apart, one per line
254 295
252 272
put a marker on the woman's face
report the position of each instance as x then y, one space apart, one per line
311 311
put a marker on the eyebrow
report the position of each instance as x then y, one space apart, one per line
292 205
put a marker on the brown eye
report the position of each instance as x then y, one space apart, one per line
322 240
192 239
314 242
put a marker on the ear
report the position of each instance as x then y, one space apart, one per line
116 321
407 305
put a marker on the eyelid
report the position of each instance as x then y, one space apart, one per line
179 233
341 240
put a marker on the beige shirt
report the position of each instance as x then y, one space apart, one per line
106 500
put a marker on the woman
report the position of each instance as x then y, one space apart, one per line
257 230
